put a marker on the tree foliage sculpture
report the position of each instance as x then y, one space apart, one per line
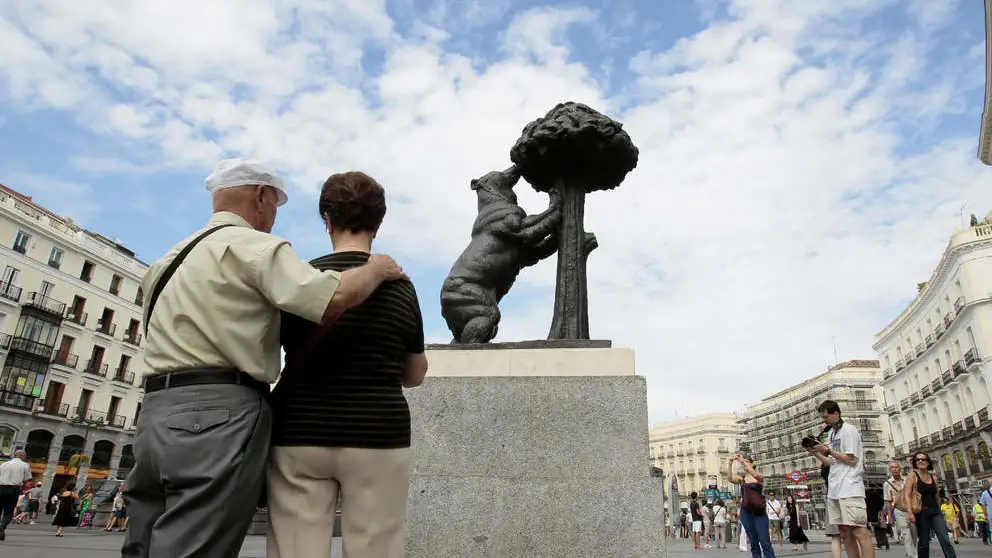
573 150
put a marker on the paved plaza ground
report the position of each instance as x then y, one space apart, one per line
39 541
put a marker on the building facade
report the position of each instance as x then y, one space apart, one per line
774 428
70 317
695 449
935 365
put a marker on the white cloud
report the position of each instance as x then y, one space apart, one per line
787 192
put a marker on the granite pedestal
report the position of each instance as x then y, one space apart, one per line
532 451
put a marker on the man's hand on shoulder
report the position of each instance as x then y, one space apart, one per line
387 267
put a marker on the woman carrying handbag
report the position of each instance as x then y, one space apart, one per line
753 517
921 503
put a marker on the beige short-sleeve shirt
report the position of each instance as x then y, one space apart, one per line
221 307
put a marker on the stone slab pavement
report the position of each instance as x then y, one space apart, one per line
39 541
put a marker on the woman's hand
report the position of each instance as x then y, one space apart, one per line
910 516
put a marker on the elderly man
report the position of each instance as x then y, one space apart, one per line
212 351
14 474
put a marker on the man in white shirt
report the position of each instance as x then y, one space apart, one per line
14 474
773 509
891 491
846 506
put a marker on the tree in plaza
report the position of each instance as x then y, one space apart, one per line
573 150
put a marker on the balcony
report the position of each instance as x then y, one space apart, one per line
77 317
904 403
45 304
983 414
52 410
915 398
123 375
947 377
931 339
95 417
924 441
969 422
936 438
119 421
958 428
920 349
910 358
5 340
133 338
971 357
723 449
32 347
887 373
701 451
891 409
959 368
936 385
21 401
938 332
913 446
66 359
900 364
865 405
948 319
947 433
958 304
10 292
106 328
926 391
96 368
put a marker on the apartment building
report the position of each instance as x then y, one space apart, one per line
935 364
773 429
70 329
695 449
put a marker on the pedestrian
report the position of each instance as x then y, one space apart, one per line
341 423
14 475
846 506
930 519
211 353
66 515
774 510
950 512
697 519
754 517
796 534
35 494
985 501
720 523
891 492
981 525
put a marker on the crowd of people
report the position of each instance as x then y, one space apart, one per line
913 508
22 500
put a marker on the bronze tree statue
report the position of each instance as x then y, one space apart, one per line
573 150
504 240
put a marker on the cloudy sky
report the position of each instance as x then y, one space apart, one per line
802 164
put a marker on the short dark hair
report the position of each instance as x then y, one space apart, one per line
692 495
829 406
353 201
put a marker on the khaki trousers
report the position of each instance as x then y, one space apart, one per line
303 487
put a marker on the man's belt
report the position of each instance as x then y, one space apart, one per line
202 376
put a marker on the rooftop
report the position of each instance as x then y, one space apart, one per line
846 365
26 205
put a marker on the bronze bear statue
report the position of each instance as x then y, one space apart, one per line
504 241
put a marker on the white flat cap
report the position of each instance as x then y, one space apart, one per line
231 173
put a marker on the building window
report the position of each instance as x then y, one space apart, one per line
115 284
10 274
6 441
87 272
76 312
55 258
139 298
106 324
46 289
84 403
23 375
21 242
115 405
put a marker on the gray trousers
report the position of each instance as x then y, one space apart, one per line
200 455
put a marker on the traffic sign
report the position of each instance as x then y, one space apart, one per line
796 476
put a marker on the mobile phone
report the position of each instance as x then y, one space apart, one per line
809 442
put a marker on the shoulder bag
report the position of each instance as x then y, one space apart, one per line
173 266
752 500
914 500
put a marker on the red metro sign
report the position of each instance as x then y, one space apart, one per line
796 477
